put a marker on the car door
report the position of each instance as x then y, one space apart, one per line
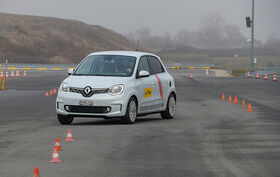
146 87
157 71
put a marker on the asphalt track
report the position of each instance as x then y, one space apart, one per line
208 137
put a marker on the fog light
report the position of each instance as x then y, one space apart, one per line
67 108
108 109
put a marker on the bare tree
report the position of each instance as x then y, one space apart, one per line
143 33
273 43
214 33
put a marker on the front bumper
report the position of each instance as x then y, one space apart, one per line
117 104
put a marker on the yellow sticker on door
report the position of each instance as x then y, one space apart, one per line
148 92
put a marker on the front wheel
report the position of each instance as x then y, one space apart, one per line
170 111
131 112
64 120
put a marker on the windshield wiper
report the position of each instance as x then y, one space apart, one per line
97 74
89 74
78 74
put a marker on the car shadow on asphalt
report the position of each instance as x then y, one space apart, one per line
112 121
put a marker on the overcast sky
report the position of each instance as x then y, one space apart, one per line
159 16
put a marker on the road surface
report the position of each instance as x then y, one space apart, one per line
208 137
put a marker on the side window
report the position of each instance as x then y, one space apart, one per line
143 64
155 65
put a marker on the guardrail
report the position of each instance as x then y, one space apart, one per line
189 67
40 69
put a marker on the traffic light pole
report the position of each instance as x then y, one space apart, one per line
252 35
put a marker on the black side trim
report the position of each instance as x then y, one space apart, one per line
145 114
90 116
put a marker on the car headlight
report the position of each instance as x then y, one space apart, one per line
116 90
64 88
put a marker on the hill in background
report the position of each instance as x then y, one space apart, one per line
53 40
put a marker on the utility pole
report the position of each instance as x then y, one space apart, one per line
252 35
251 24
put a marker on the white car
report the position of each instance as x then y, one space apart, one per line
117 84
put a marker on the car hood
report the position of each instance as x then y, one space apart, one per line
94 81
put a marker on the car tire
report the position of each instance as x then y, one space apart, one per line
131 112
64 120
170 111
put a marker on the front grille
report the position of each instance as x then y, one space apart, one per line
93 91
87 109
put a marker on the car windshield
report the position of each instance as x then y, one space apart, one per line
107 65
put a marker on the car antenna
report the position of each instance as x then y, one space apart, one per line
137 45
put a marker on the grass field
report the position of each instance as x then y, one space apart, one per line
240 63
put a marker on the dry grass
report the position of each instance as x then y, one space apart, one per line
54 39
238 72
241 63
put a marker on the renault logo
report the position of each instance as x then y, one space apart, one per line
87 90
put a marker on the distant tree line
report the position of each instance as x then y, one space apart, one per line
214 33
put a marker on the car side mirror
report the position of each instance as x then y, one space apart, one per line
70 71
143 74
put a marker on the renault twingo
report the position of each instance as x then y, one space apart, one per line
117 84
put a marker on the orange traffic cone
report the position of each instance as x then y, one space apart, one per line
69 136
235 100
265 76
54 91
191 77
249 108
36 172
57 145
51 92
274 77
223 97
24 73
47 94
230 99
258 75
17 73
12 73
55 157
249 74
243 103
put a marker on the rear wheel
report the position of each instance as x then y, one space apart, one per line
63 119
131 112
170 111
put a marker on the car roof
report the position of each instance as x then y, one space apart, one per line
126 53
